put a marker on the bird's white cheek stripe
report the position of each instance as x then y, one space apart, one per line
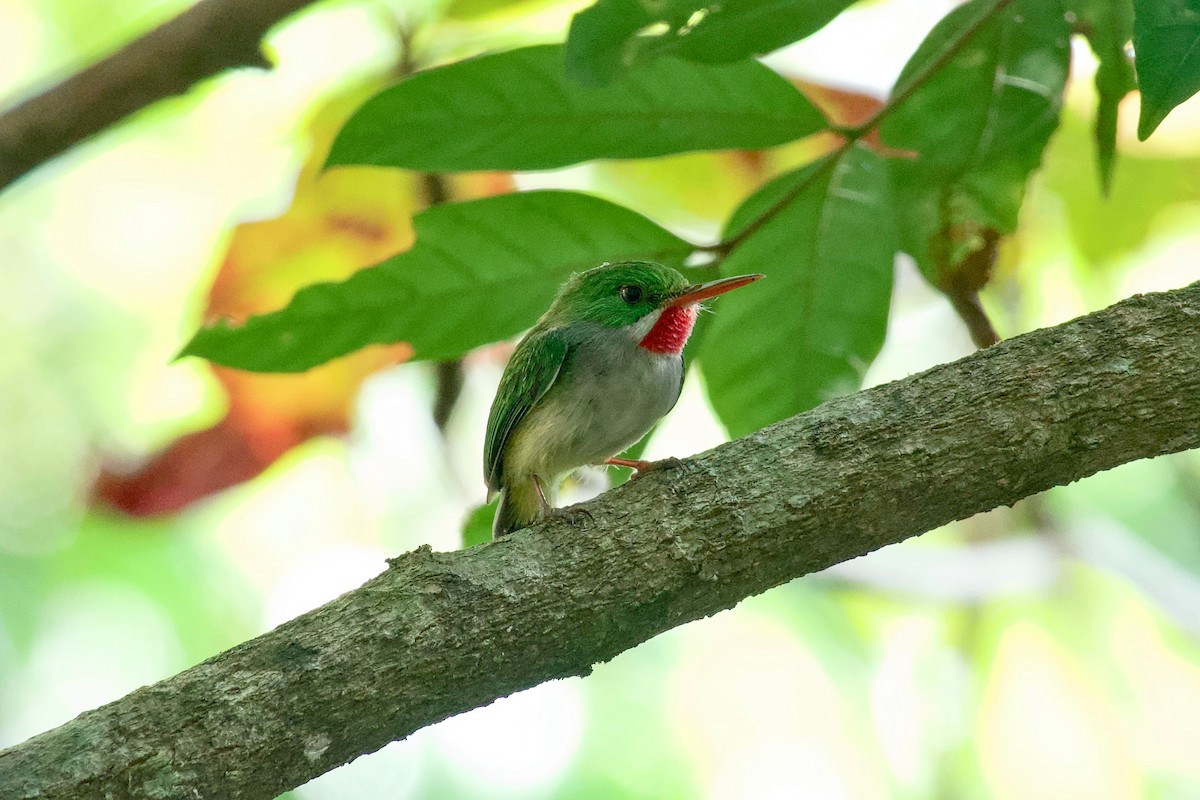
643 326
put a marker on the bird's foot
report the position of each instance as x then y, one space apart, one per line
641 467
572 515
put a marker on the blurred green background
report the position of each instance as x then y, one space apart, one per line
1045 651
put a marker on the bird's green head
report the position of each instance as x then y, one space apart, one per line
624 294
617 295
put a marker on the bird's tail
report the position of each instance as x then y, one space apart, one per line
520 506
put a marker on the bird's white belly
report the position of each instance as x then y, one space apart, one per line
608 399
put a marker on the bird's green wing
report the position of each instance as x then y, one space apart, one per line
530 373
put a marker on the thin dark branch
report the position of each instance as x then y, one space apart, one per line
209 38
962 282
435 189
449 385
441 633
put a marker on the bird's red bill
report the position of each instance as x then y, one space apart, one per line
703 291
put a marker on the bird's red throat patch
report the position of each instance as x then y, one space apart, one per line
670 333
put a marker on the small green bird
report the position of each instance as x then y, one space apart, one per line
600 367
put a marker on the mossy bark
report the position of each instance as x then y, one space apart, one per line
440 633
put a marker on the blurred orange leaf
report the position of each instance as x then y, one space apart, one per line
337 223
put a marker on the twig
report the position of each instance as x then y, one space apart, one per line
209 38
962 284
969 309
449 389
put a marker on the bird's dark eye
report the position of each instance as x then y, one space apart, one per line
631 294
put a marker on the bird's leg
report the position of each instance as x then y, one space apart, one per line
547 509
632 463
640 467
572 515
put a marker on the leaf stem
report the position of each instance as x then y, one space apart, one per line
970 310
852 134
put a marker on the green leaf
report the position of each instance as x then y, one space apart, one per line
1108 26
999 94
479 271
811 328
609 37
517 111
978 127
477 527
1166 47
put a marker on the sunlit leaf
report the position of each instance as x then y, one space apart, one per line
808 331
479 272
517 111
1108 26
1166 46
978 126
609 37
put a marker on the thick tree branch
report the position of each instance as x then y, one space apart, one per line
440 633
210 37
